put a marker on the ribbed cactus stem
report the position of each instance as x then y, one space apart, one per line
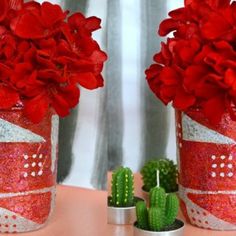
114 188
158 198
172 207
122 187
142 215
156 219
120 193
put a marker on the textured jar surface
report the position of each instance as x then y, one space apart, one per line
28 166
207 170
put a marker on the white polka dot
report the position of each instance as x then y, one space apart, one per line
230 174
180 145
230 166
34 155
213 157
25 174
26 165
222 165
180 135
230 157
40 156
214 165
179 125
222 174
26 157
222 157
213 174
40 164
33 164
40 172
33 173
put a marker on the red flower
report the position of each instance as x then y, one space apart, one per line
196 68
38 21
45 56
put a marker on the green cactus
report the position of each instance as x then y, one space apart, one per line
167 174
172 207
122 188
142 215
162 213
155 219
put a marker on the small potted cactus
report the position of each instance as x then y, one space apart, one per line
167 174
121 203
160 218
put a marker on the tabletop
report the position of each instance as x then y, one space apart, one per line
82 212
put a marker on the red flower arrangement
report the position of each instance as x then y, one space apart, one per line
196 68
44 55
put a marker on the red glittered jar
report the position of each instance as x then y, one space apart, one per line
207 170
28 166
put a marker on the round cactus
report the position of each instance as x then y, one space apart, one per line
167 173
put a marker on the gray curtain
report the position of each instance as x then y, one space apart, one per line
154 114
126 124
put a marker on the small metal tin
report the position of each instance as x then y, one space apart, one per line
121 215
177 232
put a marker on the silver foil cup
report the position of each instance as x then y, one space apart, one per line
176 232
121 215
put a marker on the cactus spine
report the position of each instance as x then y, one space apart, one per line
122 188
162 213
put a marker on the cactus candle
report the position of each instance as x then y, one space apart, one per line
161 216
122 188
121 203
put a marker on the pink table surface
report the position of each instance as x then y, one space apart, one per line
82 212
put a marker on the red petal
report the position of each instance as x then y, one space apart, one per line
168 76
72 93
212 3
153 71
16 4
3 9
35 109
178 14
87 80
183 100
76 20
8 97
167 26
214 109
28 26
93 23
98 56
51 14
60 105
5 72
209 29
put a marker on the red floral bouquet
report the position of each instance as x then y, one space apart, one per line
196 68
45 55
